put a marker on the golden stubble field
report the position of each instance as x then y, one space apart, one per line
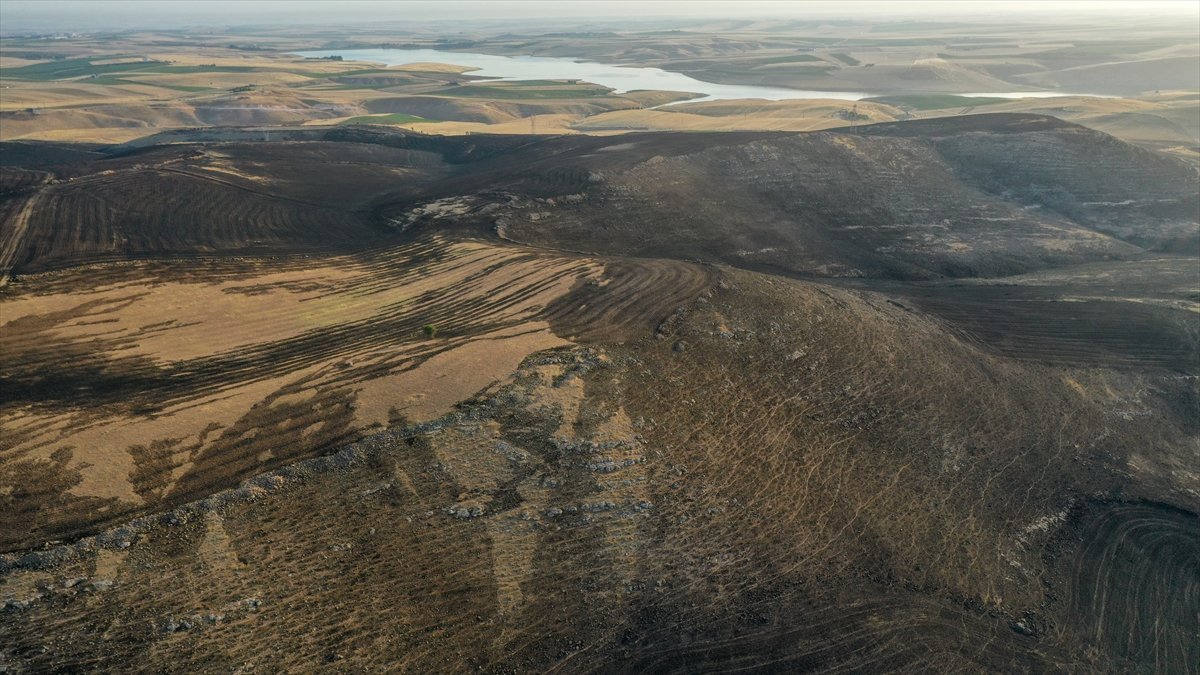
205 378
782 470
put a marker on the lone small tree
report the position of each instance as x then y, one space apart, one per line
430 330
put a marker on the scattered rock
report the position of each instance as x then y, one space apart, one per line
464 512
1021 627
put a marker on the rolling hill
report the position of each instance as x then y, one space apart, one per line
911 396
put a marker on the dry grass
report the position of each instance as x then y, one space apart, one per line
22 95
535 124
845 492
431 67
781 475
808 115
291 359
172 323
218 80
17 62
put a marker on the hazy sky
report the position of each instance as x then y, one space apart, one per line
82 15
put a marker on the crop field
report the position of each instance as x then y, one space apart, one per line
1053 327
75 68
797 115
117 80
220 202
938 102
528 89
922 74
1135 578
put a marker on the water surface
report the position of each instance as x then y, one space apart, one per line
621 78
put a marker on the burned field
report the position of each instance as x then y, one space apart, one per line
357 398
165 383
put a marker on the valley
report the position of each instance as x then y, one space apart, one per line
817 75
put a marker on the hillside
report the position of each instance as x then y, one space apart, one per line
981 195
839 496
913 396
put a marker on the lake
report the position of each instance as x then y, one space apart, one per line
620 78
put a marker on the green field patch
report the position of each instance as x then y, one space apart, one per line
351 73
915 26
65 69
204 68
937 101
533 83
977 57
367 72
804 70
476 91
786 58
117 80
355 86
894 42
343 87
1089 50
846 58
